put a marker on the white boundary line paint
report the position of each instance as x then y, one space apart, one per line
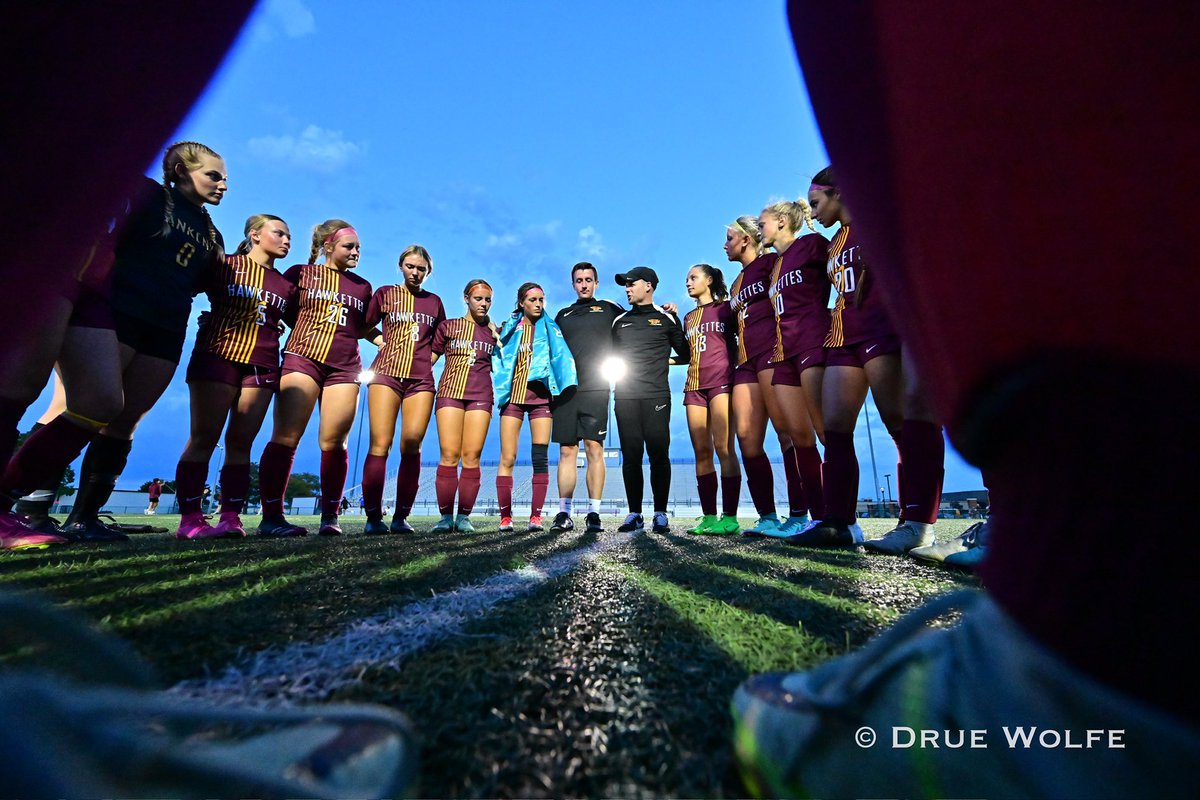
309 672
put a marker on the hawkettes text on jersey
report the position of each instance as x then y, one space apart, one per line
842 266
261 295
705 327
401 317
462 345
745 293
182 226
331 296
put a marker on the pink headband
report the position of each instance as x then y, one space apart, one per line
820 187
339 233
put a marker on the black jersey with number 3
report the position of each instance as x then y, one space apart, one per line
162 257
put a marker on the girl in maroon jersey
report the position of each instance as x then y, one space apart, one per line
234 373
529 368
799 293
464 404
126 335
863 352
712 340
752 403
320 362
401 386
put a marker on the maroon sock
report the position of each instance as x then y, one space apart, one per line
408 480
334 466
446 484
374 476
189 485
504 484
839 476
761 483
808 462
235 485
273 473
468 489
706 486
798 500
42 457
541 481
924 455
11 412
731 493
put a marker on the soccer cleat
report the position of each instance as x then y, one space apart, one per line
562 523
660 523
535 525
855 726
462 524
279 528
970 539
401 526
794 524
194 526
329 526
968 560
727 524
93 530
901 539
506 525
766 524
705 526
14 535
593 523
827 534
376 527
230 525
632 523
443 525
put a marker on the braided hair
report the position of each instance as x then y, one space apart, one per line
190 155
320 232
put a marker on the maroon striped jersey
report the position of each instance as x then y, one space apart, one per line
331 314
799 290
858 315
248 302
409 322
467 369
713 343
752 307
524 392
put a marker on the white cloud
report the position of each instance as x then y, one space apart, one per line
291 18
315 149
591 244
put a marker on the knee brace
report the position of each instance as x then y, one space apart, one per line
539 455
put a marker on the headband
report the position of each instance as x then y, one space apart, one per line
745 232
820 187
339 233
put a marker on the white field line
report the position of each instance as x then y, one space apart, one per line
308 672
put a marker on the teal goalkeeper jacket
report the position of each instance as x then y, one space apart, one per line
552 362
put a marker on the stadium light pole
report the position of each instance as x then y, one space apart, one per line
364 381
613 369
888 478
871 444
216 471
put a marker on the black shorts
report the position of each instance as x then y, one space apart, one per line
147 338
580 415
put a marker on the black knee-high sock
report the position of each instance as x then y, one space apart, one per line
103 463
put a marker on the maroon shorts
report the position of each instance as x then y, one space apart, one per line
205 366
323 374
788 371
476 404
858 354
519 410
702 397
405 387
92 309
745 374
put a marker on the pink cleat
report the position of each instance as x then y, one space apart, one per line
230 525
193 526
15 535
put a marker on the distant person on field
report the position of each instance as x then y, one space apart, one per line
155 492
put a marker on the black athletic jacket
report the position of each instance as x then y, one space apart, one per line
645 336
587 327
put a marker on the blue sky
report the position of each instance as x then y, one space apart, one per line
511 140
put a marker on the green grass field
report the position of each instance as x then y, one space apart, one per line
531 664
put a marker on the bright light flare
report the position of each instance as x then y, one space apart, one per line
613 369
366 376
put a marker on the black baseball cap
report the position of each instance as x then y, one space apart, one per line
638 274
